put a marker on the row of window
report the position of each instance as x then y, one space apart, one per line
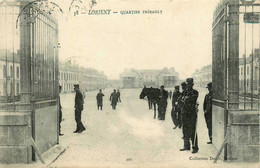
11 72
68 76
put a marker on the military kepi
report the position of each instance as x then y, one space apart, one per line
177 87
183 83
76 86
209 85
189 80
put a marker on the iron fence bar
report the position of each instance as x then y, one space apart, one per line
245 88
252 63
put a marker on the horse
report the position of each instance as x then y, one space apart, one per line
152 95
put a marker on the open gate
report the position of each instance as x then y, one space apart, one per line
29 97
235 77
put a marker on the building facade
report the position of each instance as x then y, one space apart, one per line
9 75
249 74
202 76
88 78
132 78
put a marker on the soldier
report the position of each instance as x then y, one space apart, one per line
190 117
113 99
207 107
162 105
79 101
181 101
118 96
149 97
60 112
99 98
175 108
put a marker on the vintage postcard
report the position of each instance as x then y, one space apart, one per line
129 83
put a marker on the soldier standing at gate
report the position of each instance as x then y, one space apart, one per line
60 112
162 105
79 101
190 117
113 99
175 108
207 107
99 98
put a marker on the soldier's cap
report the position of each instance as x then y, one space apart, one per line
189 80
209 85
162 86
60 86
76 86
177 87
183 84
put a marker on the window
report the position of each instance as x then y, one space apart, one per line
17 89
11 71
17 72
247 70
4 71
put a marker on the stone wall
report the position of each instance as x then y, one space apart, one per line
15 133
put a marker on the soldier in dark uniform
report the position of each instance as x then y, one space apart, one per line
149 97
99 98
181 102
79 101
175 108
190 117
207 108
162 105
118 96
113 99
60 113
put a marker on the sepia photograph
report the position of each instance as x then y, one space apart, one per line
129 83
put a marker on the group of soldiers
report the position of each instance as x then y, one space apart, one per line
184 113
114 98
79 106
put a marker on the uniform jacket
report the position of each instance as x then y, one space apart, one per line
79 101
113 98
207 104
100 98
190 101
175 97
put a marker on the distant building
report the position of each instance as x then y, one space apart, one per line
9 74
88 78
132 78
202 76
115 84
247 65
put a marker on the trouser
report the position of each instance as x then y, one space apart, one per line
119 100
80 126
99 106
179 118
60 119
208 118
189 131
174 117
162 111
113 106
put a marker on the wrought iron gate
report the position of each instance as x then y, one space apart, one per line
235 64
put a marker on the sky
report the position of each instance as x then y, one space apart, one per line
180 37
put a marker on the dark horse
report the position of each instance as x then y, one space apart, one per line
152 95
